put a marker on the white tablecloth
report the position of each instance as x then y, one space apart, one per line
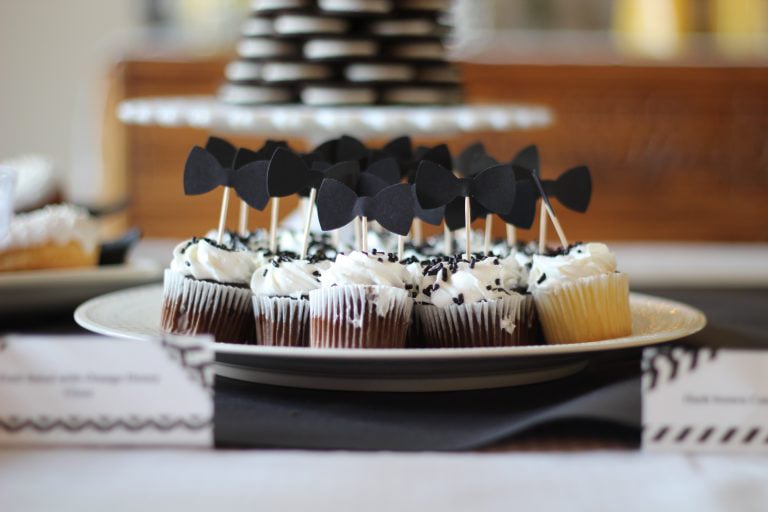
190 480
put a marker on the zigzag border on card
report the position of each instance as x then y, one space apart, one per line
195 357
665 364
14 424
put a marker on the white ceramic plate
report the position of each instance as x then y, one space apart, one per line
135 313
59 289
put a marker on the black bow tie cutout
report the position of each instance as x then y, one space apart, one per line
223 151
493 188
246 156
338 205
341 150
573 188
473 160
439 154
386 170
432 216
204 172
288 173
523 210
382 174
399 148
528 158
454 213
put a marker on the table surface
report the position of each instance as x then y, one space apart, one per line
548 471
131 480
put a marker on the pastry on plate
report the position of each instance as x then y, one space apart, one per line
56 236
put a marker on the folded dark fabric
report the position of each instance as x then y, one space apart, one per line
269 416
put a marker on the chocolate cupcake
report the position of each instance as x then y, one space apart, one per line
580 296
205 291
362 303
474 303
281 300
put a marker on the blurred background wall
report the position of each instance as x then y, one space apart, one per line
665 99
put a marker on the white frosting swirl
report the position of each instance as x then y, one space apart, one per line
486 280
513 273
366 269
294 278
202 259
584 260
57 224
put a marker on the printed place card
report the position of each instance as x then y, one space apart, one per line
700 399
101 390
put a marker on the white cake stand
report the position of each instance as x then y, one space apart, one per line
316 124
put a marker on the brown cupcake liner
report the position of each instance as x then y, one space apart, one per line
281 321
191 306
510 321
414 337
359 316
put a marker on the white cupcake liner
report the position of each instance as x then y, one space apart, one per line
585 309
191 306
281 321
359 316
505 322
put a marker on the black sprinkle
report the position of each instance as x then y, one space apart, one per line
316 273
541 279
488 287
497 281
265 273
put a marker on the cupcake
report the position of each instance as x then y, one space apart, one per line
580 296
474 303
206 290
281 300
362 303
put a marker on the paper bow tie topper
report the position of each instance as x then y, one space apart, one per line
216 165
454 213
523 210
474 160
391 207
573 189
399 148
288 173
340 150
493 188
386 170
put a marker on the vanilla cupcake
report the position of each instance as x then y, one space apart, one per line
362 303
55 236
474 303
580 296
281 300
206 290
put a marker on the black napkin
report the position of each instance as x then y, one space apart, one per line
250 415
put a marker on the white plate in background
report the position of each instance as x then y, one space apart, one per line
34 291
